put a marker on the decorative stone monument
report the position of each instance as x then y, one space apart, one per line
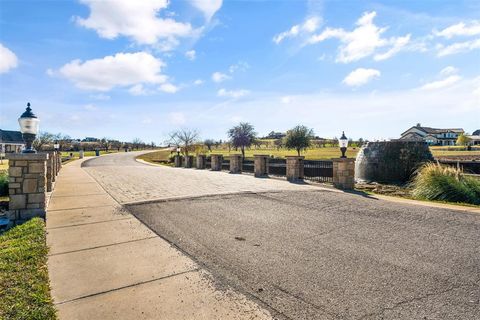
236 163
260 163
295 168
217 160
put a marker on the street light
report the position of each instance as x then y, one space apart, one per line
56 146
343 142
178 151
29 128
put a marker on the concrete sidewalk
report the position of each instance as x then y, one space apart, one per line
105 264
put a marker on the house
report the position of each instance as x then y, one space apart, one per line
275 135
432 136
11 141
474 138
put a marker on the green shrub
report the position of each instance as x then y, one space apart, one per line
445 183
3 184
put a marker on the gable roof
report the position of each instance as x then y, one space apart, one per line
8 136
476 133
429 130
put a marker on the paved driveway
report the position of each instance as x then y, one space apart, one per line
307 253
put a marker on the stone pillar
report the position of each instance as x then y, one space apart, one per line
294 168
55 165
59 160
201 161
260 165
27 185
236 163
50 175
344 173
217 160
178 161
188 161
81 154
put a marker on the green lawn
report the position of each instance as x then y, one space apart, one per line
317 153
24 285
157 157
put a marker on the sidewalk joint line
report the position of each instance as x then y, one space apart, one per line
89 223
80 195
65 209
127 286
102 246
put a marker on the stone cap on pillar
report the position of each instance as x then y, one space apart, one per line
343 159
261 155
27 156
216 155
235 156
295 157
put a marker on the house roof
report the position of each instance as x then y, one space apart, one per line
476 133
7 136
429 130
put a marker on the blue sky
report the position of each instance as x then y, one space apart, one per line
119 70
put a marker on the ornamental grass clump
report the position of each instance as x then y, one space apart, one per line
445 183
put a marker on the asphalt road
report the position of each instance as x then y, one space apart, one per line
316 254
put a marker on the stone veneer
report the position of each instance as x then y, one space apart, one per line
51 170
201 161
217 160
178 161
344 173
294 168
236 163
27 185
260 163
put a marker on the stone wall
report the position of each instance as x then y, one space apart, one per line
260 163
27 186
344 173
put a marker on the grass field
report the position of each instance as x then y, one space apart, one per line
24 284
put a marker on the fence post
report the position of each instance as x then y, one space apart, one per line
27 185
188 161
236 163
217 160
260 165
344 173
201 161
177 161
50 175
294 168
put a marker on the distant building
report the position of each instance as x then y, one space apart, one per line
11 141
474 138
432 136
275 135
90 139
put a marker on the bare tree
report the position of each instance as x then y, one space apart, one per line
105 144
184 138
43 139
209 143
136 143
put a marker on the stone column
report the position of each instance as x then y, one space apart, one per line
59 160
27 185
344 173
294 168
217 160
177 161
50 175
236 163
188 161
55 165
81 154
201 161
260 165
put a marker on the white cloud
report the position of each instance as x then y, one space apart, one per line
286 99
362 41
458 47
169 88
308 26
139 22
220 77
235 94
208 7
448 71
198 82
90 107
441 84
177 118
100 96
138 90
8 59
191 55
122 69
459 29
361 76
240 66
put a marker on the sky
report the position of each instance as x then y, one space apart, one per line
128 69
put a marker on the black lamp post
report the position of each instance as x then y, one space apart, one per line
29 128
56 145
178 151
343 142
